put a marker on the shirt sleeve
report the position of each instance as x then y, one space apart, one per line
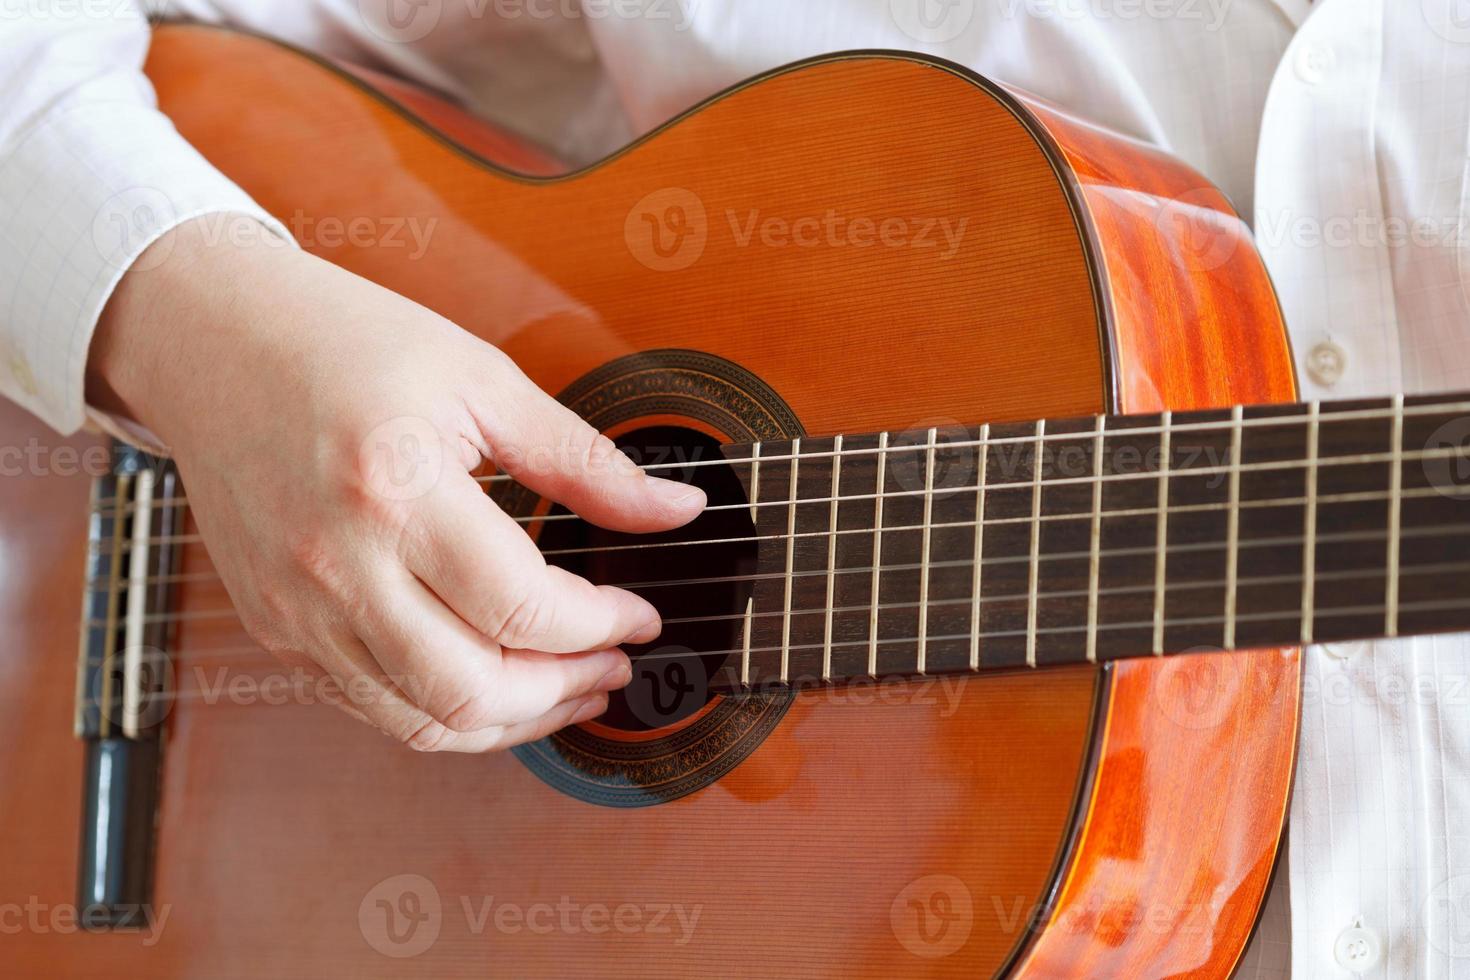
91 174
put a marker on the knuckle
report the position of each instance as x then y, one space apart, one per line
315 558
365 501
431 736
474 713
526 620
267 629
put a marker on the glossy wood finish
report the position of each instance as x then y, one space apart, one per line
868 831
1189 797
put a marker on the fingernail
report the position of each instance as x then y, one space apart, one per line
588 711
679 494
615 679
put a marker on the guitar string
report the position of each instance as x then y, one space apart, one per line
1409 570
1329 538
1424 456
98 584
1202 471
222 699
1023 441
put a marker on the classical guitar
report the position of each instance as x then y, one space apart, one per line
983 661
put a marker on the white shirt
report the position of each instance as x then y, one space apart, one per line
1342 128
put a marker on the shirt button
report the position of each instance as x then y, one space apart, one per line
1313 63
1326 363
1358 949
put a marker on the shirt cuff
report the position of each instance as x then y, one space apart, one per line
76 212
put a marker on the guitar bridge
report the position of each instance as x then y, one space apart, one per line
124 683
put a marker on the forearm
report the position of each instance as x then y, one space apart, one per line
91 175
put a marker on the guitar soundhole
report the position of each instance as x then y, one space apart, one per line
697 576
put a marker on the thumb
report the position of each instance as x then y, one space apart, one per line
545 446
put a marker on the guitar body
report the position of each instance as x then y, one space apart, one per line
859 243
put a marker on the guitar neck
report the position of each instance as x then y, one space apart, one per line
1083 540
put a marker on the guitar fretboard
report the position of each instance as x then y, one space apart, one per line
1085 540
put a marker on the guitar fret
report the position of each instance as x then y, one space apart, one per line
975 574
1161 557
1232 528
1309 531
831 557
1094 561
924 552
790 559
877 553
1034 595
1170 557
137 602
1395 520
755 494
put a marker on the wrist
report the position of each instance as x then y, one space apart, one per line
173 318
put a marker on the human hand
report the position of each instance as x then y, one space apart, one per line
285 387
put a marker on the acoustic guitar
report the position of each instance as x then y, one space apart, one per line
982 662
